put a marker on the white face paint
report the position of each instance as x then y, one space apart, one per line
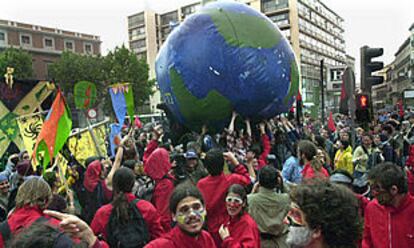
299 237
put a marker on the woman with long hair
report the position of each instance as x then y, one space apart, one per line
113 218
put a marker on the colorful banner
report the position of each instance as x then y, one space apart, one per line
122 101
30 128
22 99
55 131
81 144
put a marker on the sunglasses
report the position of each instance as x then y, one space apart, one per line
187 209
232 199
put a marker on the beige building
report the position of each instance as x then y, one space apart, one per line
45 44
314 30
398 76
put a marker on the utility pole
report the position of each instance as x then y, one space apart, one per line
322 96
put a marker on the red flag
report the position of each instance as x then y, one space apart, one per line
331 123
55 130
401 108
138 123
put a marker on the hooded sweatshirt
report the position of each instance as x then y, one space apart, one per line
157 167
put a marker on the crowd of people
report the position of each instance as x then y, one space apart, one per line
276 183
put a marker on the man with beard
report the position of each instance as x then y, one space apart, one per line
388 218
323 214
188 211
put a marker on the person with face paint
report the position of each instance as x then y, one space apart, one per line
239 230
389 218
188 211
322 215
214 187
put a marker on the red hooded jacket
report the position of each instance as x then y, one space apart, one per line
262 160
147 210
178 239
389 227
157 167
26 216
214 190
244 232
92 178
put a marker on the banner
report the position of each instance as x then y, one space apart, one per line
22 99
30 127
81 144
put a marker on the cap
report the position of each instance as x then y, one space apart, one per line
340 178
190 154
3 178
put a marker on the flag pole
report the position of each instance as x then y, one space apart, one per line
95 141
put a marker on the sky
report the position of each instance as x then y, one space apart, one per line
376 23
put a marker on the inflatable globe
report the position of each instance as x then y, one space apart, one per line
226 57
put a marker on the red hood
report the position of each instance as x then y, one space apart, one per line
158 164
92 175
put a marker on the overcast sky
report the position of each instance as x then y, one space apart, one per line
382 23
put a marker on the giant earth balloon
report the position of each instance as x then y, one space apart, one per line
226 57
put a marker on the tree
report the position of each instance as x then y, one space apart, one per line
20 60
122 65
72 68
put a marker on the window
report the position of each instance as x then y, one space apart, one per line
273 5
135 33
25 40
136 20
138 44
169 18
69 45
2 37
48 43
87 48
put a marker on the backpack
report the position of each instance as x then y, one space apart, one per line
144 188
132 234
93 201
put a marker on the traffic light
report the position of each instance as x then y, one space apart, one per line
368 67
362 113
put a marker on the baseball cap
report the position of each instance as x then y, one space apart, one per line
190 154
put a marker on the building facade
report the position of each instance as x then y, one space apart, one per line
314 30
398 76
45 44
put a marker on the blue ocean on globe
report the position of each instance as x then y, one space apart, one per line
225 57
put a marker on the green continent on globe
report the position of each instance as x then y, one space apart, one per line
241 30
199 111
294 82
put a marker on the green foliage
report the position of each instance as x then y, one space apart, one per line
72 68
120 65
20 60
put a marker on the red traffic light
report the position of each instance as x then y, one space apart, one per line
362 101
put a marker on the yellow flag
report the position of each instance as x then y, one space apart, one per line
82 145
29 130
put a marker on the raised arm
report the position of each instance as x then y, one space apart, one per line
118 159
